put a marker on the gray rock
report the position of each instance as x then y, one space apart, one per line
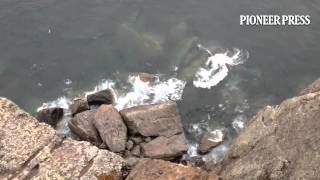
211 140
78 106
281 142
51 116
131 161
153 120
165 148
82 125
101 97
137 140
136 151
32 150
129 145
111 128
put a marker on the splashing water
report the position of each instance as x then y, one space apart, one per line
216 68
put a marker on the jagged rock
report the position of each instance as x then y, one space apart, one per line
51 116
136 151
314 87
101 97
32 150
78 106
146 77
211 140
82 125
111 128
129 145
281 142
163 170
165 148
153 120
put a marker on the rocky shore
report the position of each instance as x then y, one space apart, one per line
147 142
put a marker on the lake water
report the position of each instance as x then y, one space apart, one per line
51 49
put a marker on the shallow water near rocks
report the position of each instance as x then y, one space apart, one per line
52 51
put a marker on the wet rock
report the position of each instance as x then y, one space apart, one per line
78 106
163 170
82 125
314 87
101 97
165 148
211 140
281 142
129 145
146 77
153 120
51 116
111 128
32 150
136 151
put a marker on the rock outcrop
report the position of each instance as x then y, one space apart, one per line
153 120
211 140
79 105
101 97
51 116
111 128
32 150
314 87
281 142
165 148
163 170
82 125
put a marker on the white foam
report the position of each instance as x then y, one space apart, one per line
61 102
218 134
193 150
216 68
217 154
143 93
239 122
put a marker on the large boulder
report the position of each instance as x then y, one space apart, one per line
32 150
111 128
163 170
101 97
79 105
51 116
82 125
165 148
281 142
153 120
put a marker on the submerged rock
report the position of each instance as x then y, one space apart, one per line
163 170
82 125
78 106
165 148
101 97
32 150
211 140
281 142
51 116
153 120
111 128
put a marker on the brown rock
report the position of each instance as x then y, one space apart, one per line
82 126
146 77
101 97
153 120
281 142
51 116
211 140
32 150
78 106
165 148
163 170
314 87
111 128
